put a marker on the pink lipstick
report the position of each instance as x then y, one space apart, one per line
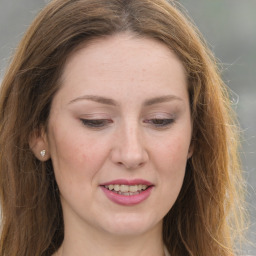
127 192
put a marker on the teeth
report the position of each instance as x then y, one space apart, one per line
125 189
133 188
111 187
144 187
116 187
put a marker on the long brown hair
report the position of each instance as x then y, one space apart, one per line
208 210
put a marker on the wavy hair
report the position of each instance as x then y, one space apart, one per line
207 215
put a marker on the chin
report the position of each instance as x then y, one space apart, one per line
131 224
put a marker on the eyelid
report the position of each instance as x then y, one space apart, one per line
94 123
160 120
96 115
161 115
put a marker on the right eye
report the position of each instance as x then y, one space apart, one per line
96 123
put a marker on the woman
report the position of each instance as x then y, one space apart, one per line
117 136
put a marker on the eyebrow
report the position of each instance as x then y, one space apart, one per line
111 102
95 98
161 99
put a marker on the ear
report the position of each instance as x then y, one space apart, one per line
38 143
190 150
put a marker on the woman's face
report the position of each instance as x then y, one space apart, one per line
119 135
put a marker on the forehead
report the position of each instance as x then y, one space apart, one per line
124 61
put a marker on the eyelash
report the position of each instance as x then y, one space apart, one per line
160 122
96 123
101 123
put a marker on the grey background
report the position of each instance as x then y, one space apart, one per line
229 27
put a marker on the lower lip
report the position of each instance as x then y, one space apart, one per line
127 200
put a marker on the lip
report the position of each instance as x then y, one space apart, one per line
128 182
127 200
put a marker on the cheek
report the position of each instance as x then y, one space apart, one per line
76 159
175 151
172 161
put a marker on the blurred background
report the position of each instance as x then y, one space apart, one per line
229 27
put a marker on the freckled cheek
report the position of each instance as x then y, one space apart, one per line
78 158
73 170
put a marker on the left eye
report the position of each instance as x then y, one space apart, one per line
96 123
160 122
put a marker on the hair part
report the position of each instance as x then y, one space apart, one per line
208 209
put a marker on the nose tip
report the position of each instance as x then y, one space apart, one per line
132 164
129 151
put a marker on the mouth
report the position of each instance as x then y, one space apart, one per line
127 190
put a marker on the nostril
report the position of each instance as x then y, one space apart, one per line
129 157
130 166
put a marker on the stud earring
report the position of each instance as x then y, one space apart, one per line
42 153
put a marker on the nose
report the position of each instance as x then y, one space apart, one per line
129 148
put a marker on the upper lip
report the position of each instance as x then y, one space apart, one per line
127 182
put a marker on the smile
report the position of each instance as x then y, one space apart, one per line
126 190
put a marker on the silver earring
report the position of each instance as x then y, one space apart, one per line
42 153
